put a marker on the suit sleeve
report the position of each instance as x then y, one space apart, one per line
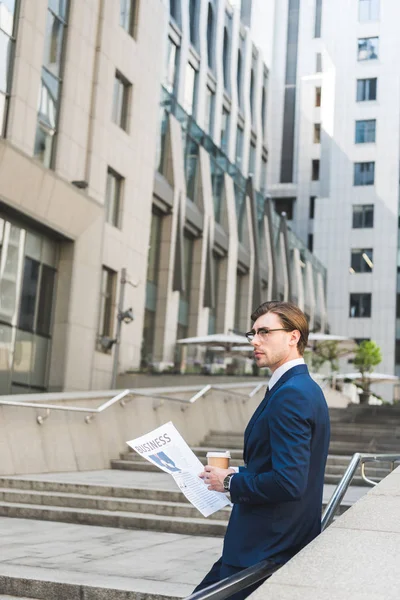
290 439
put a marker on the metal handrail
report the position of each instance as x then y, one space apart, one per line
240 581
120 398
235 583
341 489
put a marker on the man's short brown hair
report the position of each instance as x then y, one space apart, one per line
290 316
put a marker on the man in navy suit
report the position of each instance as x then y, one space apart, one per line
277 494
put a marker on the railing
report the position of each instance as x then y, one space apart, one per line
357 460
231 585
123 397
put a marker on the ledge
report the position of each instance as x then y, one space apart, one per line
357 557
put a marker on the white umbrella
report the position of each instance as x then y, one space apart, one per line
226 340
372 377
346 345
328 337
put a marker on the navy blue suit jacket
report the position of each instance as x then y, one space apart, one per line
277 495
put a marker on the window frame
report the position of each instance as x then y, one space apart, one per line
356 256
359 297
366 87
114 207
120 109
366 39
361 174
363 129
363 213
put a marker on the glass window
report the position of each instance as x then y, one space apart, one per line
210 35
364 173
252 159
362 260
121 96
263 178
239 299
191 162
6 357
225 59
360 305
53 44
366 89
240 204
285 206
7 48
317 133
29 295
113 202
193 16
153 264
368 48
7 14
368 10
317 96
46 294
174 10
170 69
59 7
318 62
365 131
264 107
239 147
161 140
212 319
252 94
225 125
209 111
318 18
315 170
190 89
107 304
363 216
50 92
128 15
217 180
239 77
311 210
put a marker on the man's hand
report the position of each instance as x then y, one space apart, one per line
214 477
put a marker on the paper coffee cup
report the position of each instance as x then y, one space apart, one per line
219 459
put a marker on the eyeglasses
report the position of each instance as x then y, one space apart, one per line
262 333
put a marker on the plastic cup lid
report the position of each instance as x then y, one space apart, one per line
223 454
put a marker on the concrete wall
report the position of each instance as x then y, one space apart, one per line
357 557
66 442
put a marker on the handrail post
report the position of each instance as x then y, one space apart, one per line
340 491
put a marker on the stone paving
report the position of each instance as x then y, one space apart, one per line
143 561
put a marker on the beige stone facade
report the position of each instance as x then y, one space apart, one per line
90 185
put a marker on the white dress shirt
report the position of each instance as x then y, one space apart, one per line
276 375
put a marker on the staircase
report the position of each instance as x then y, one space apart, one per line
352 430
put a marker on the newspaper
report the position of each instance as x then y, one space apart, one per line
166 448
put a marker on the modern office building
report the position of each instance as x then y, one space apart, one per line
79 105
334 143
129 132
217 248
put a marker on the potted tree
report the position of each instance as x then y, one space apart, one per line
368 355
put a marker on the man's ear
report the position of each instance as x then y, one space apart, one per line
295 337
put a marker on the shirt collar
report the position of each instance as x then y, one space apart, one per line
276 375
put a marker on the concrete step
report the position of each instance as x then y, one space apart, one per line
85 501
60 590
120 519
336 465
140 493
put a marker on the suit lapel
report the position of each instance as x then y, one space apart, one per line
254 417
298 370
